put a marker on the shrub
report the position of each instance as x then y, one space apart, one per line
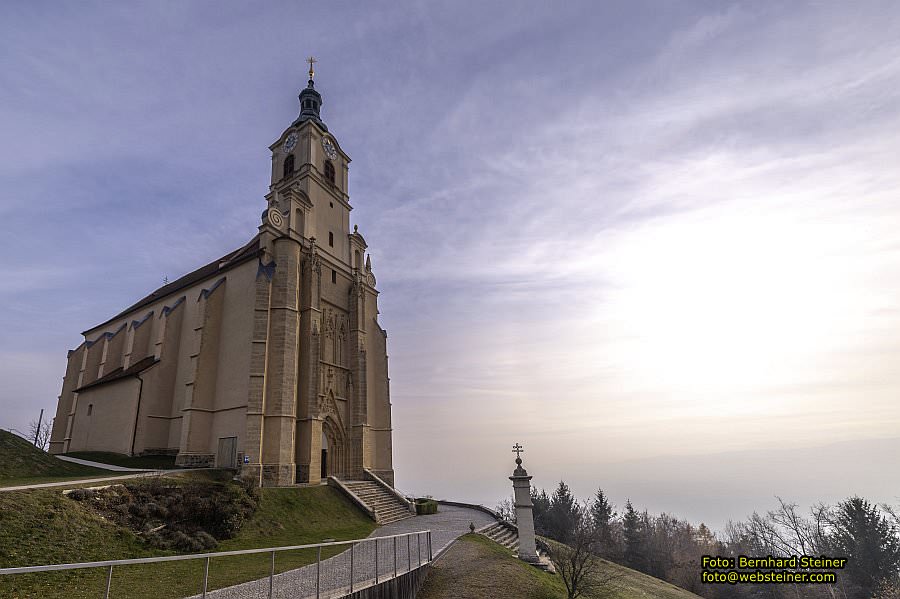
185 517
425 506
81 494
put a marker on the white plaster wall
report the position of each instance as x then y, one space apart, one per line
110 425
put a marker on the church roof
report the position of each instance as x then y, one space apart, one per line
121 373
226 262
310 104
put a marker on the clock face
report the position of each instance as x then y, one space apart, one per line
329 148
289 143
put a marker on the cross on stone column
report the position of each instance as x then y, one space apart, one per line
518 449
524 509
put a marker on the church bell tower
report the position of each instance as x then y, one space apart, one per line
319 402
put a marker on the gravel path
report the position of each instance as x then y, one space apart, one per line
448 524
82 481
100 465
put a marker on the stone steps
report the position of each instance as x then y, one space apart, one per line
387 507
501 534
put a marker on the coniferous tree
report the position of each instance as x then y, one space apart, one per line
602 513
563 514
540 510
634 539
869 541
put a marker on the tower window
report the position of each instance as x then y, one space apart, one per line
331 239
90 408
329 171
334 276
289 165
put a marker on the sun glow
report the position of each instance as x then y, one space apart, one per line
716 303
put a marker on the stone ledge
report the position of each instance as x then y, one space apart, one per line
195 460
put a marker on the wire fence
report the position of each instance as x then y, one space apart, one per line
321 570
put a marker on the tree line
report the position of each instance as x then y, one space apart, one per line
670 548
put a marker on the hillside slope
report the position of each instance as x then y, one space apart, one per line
45 527
22 462
476 567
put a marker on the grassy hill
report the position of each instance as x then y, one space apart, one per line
45 527
22 463
476 567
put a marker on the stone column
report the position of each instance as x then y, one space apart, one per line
524 512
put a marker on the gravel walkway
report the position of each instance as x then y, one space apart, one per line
100 465
81 481
448 524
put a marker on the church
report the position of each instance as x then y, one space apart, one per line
270 359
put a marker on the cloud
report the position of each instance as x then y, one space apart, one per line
606 231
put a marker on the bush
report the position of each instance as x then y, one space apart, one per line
81 494
189 516
425 506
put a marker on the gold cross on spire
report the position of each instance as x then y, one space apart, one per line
311 60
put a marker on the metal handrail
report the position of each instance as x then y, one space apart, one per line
174 558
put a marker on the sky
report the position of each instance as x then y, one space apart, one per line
654 242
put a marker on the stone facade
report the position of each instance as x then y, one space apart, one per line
270 359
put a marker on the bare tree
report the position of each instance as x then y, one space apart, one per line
893 513
39 433
507 510
583 572
888 590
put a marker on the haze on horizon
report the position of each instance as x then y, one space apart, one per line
656 243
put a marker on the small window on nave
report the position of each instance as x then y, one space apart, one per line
334 276
288 166
329 171
331 238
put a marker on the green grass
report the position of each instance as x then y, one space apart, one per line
44 527
22 463
477 567
148 462
635 585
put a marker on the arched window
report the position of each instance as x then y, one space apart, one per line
90 408
289 165
329 171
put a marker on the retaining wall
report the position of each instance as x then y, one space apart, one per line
405 586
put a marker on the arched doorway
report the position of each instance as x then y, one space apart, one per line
333 455
324 454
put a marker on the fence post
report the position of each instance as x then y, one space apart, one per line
419 546
430 554
408 555
376 560
351 567
272 577
395 557
108 582
318 566
205 577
